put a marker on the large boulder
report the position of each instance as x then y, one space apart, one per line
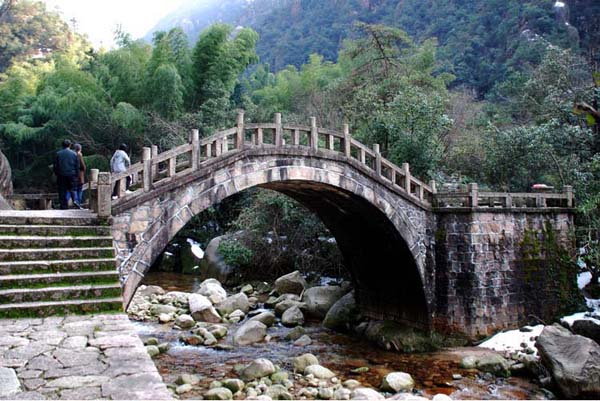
587 328
202 309
282 306
319 372
213 264
343 314
267 318
250 332
232 303
292 317
257 369
303 361
6 186
573 361
213 290
365 393
320 299
292 283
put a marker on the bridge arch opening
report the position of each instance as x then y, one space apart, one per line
381 234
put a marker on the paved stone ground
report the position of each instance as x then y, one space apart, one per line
76 358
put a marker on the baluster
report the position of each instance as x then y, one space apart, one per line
259 137
362 155
154 153
195 149
433 186
421 192
330 142
103 198
407 179
239 138
147 161
473 194
347 141
218 149
209 150
314 134
278 140
568 191
508 201
172 166
296 137
377 159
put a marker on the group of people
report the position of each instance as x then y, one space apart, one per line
70 168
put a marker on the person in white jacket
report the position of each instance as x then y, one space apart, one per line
119 163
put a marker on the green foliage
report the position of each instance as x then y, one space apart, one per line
234 253
166 91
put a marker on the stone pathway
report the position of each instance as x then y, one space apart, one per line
76 358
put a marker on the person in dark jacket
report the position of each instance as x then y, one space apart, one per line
66 168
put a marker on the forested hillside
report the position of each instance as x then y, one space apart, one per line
504 93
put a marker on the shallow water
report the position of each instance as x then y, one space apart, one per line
339 352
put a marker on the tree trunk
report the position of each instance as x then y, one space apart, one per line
6 187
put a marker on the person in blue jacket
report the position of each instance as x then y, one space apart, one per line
66 168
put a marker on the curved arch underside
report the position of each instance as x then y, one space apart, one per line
386 277
381 235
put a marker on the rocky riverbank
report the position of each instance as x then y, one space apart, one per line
205 344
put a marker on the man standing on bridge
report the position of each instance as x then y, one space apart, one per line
66 168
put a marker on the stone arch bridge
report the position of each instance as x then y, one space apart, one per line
471 262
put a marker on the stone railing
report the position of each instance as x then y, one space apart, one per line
157 169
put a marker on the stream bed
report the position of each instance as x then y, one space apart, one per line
346 355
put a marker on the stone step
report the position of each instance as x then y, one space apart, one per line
37 254
53 230
34 241
57 279
52 294
49 217
56 266
54 308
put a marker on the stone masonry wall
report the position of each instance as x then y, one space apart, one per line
497 270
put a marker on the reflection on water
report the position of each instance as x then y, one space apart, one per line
341 353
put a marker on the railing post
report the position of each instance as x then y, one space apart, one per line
239 138
218 147
195 149
568 190
473 194
296 137
314 134
406 171
377 159
259 137
433 186
94 176
508 201
278 131
347 141
103 201
147 161
155 166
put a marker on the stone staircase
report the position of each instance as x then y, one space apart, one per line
56 263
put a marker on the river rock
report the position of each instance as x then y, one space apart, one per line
237 314
342 394
229 304
319 372
165 317
177 298
202 309
213 290
320 299
184 388
187 378
364 393
441 397
493 363
148 290
152 350
292 283
573 361
266 318
279 377
343 314
396 382
303 361
295 333
159 309
587 328
219 393
325 393
234 385
257 369
185 321
292 317
278 392
250 333
284 305
303 341
351 384
218 331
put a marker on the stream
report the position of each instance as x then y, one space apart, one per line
434 373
